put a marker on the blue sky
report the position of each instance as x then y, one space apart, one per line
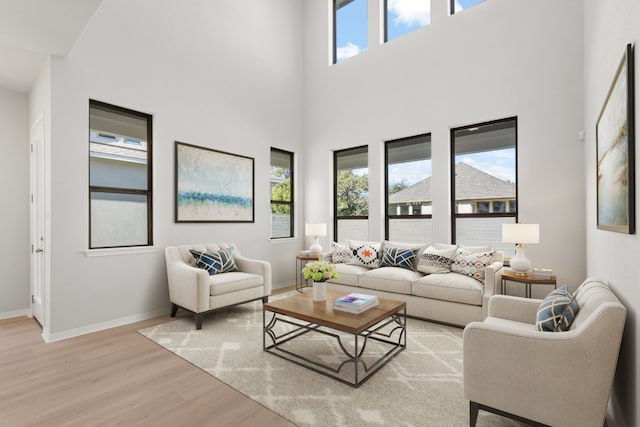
403 16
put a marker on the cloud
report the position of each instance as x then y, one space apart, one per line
347 51
410 12
457 6
494 168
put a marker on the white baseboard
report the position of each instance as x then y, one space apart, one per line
16 313
70 333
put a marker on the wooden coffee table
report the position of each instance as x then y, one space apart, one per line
292 317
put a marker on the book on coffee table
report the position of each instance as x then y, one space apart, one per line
355 302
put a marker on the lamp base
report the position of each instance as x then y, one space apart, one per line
315 248
520 264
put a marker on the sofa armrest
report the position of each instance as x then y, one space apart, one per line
514 308
492 278
188 285
254 266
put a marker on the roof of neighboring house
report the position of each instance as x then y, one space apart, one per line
473 183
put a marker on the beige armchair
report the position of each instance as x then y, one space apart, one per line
544 378
193 289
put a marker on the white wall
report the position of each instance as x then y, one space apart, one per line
224 75
14 191
609 26
494 60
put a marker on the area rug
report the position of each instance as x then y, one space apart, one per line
421 386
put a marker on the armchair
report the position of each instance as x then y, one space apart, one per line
193 289
544 378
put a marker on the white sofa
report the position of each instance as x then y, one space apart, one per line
451 298
194 289
549 378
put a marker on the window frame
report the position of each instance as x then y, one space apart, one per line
148 193
334 59
336 218
290 203
388 217
385 22
452 168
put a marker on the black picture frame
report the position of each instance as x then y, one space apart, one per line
615 152
213 185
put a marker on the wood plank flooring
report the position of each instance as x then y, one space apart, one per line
112 377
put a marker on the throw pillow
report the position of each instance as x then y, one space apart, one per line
435 260
363 253
339 253
472 264
215 262
557 311
399 257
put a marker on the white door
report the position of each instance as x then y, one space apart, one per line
37 221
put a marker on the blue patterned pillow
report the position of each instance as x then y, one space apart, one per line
557 311
399 257
215 262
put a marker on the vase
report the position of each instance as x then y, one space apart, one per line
319 291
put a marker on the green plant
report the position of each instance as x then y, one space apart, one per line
319 271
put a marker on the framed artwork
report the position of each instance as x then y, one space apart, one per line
213 186
615 152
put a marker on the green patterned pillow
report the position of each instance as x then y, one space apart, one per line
399 257
215 262
557 311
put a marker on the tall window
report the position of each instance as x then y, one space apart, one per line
281 194
408 184
456 6
120 202
405 16
349 28
484 182
351 194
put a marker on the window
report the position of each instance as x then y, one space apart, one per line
405 16
349 28
456 6
120 202
351 194
484 182
281 194
408 184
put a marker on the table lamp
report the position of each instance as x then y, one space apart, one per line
520 234
315 230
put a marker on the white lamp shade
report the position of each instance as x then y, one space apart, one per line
315 229
521 233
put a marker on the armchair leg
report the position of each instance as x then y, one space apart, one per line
199 320
265 299
473 413
174 310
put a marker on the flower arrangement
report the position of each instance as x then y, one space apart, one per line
319 271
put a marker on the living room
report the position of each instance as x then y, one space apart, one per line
242 77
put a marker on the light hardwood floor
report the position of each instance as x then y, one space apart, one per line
112 377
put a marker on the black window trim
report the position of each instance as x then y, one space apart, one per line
291 203
335 190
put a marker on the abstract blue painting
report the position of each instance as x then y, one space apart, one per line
213 186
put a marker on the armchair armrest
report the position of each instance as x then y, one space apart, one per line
514 308
254 266
188 285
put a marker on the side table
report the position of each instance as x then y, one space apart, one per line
301 261
528 280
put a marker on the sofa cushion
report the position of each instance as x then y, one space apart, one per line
390 279
454 287
215 262
235 281
367 254
340 253
399 257
348 274
472 264
557 311
434 260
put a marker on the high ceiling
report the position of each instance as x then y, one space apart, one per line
30 30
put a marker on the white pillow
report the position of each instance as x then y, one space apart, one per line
472 264
367 254
340 253
434 260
